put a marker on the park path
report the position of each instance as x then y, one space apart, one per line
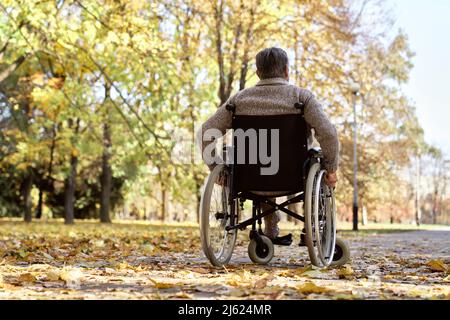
384 266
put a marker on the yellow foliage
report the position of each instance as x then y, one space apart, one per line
437 265
310 287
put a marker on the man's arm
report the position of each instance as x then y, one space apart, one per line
221 121
325 132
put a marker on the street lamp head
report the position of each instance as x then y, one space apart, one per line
355 88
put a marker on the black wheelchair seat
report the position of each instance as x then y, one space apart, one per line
292 154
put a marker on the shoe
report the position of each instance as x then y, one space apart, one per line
285 241
302 240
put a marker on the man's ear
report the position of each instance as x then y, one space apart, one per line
286 72
258 74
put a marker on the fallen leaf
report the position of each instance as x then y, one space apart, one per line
437 265
346 272
181 295
262 283
233 282
161 285
72 234
72 278
201 270
276 295
98 243
27 277
242 278
47 256
310 272
10 287
310 287
52 276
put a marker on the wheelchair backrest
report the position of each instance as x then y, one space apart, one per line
270 153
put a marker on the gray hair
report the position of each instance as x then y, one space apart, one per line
271 63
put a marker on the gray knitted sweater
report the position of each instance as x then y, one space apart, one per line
277 96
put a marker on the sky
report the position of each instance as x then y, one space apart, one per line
427 24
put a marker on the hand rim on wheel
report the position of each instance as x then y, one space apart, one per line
312 193
223 255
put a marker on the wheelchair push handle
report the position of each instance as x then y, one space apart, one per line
231 107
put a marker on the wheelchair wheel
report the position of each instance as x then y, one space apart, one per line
320 218
217 243
261 252
341 253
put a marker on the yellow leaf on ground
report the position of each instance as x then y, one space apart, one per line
161 285
286 274
310 287
437 265
262 282
233 282
27 277
201 270
311 273
182 295
346 272
10 287
52 276
98 243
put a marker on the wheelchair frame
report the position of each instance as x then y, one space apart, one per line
236 198
257 215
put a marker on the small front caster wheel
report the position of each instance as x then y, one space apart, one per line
261 252
341 253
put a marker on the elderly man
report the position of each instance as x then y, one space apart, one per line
274 95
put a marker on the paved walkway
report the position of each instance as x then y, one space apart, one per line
387 266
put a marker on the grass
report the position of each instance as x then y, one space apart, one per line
344 228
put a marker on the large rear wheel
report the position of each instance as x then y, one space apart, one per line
215 215
320 218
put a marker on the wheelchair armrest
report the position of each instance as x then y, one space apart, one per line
315 153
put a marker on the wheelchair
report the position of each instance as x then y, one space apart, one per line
300 177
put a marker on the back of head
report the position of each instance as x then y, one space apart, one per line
272 63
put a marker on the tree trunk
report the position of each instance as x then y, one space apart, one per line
364 216
418 211
218 16
163 202
198 197
39 206
69 191
49 173
106 177
26 194
247 44
11 68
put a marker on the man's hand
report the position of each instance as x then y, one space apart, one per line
222 180
331 179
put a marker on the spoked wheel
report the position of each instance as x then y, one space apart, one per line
320 218
215 215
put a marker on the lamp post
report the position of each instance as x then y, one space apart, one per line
355 89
